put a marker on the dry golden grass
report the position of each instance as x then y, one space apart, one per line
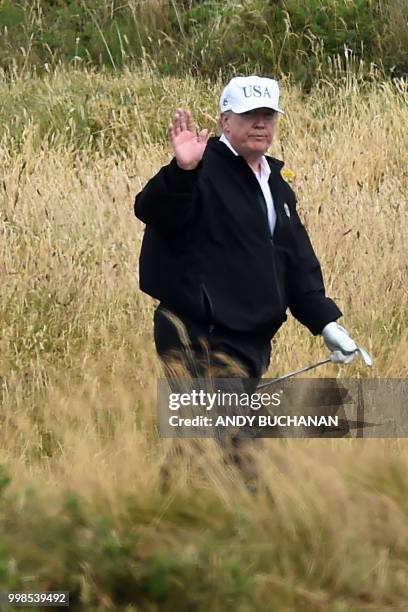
77 364
72 314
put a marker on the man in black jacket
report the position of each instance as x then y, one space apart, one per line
224 249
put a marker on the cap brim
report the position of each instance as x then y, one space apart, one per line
244 108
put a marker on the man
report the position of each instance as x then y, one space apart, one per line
224 249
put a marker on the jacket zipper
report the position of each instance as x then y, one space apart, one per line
270 237
268 229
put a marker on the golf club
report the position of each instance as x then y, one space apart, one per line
368 360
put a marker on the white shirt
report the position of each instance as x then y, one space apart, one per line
262 177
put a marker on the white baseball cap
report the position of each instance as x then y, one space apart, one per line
247 93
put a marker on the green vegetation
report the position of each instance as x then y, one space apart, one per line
197 549
204 38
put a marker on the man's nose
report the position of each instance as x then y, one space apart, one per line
259 120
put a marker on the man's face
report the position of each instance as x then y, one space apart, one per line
250 133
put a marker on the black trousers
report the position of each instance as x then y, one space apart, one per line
206 350
203 346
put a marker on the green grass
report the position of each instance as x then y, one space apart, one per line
195 548
206 38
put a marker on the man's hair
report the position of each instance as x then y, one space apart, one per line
219 123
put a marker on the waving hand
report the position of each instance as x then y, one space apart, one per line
188 144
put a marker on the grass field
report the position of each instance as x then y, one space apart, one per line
205 37
81 507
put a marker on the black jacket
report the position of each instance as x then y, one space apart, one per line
207 251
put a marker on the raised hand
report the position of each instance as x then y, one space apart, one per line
188 144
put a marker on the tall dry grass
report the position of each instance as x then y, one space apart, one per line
78 370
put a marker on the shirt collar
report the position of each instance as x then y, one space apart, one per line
265 168
225 140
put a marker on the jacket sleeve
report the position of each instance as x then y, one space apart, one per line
307 296
168 201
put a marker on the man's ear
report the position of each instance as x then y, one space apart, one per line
224 121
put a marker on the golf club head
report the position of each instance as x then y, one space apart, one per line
339 357
368 360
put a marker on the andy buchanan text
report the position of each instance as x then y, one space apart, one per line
256 420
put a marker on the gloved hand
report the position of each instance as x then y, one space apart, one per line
338 341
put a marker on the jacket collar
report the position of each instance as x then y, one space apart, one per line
265 167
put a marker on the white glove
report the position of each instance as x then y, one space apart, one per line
338 341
